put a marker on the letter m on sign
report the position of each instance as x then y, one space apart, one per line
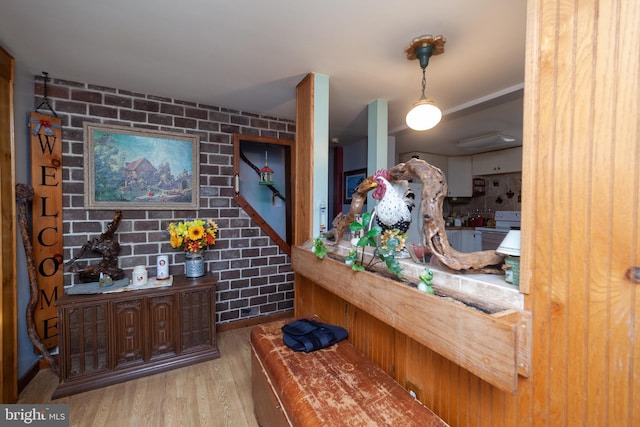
46 211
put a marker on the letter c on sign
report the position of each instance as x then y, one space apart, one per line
41 236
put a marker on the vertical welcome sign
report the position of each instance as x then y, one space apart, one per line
47 232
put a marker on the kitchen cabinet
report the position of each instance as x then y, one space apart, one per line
496 162
459 177
114 337
464 240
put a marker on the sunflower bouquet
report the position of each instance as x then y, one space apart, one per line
194 235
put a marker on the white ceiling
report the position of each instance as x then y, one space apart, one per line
249 55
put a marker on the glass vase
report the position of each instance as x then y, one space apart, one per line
194 264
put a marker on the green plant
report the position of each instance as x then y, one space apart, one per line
392 241
319 248
385 253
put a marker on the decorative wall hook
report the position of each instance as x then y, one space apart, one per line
45 98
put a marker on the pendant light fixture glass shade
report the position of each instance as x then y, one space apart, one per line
424 115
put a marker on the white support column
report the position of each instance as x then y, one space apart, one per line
377 142
320 149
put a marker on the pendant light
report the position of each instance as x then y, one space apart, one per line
425 114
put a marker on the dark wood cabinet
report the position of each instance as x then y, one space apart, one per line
109 338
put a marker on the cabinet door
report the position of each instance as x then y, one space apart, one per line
495 162
162 335
510 160
455 239
467 241
84 338
129 332
485 163
477 241
459 178
197 323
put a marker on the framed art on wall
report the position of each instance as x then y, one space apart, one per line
128 168
351 181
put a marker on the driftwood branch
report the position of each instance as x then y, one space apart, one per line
105 245
24 196
434 190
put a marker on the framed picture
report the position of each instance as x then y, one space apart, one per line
127 168
351 181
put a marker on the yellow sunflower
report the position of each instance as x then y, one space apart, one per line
196 232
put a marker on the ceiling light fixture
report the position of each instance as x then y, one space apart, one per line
424 114
486 141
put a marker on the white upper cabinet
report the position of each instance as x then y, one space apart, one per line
495 162
459 178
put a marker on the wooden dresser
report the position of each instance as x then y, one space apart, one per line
110 338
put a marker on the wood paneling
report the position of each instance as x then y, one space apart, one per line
580 203
8 301
452 392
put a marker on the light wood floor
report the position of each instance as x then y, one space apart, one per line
214 393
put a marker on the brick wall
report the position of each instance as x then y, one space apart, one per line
254 275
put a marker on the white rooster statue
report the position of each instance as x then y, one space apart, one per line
395 202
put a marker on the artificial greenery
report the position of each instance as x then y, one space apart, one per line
385 252
319 248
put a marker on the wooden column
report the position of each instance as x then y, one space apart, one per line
581 211
8 299
311 155
303 162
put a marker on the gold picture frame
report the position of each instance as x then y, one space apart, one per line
139 169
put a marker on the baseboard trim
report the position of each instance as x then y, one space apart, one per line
24 380
253 321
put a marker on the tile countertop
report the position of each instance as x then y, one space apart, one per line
490 288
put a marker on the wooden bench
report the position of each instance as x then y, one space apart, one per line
336 386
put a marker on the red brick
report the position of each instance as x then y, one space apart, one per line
86 96
145 105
